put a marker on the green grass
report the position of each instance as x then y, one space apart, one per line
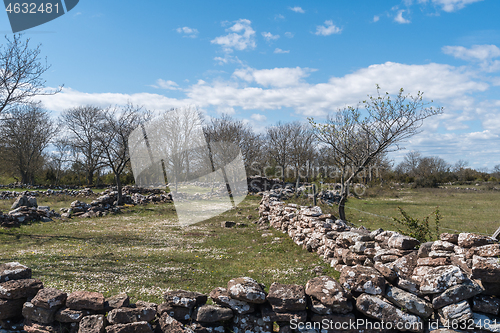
465 211
144 252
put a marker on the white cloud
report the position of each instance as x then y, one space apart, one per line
276 77
297 9
241 37
482 54
170 85
476 52
226 110
327 29
279 17
376 18
278 50
269 36
289 34
188 32
399 17
450 5
258 117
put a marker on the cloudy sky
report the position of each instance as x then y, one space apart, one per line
266 61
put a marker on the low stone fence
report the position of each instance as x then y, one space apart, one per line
384 276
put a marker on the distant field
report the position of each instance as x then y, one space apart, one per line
144 252
462 210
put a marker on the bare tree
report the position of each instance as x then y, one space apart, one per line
227 129
410 163
59 157
279 145
83 125
303 147
358 141
21 72
113 139
26 131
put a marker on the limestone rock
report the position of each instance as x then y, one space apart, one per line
409 301
330 293
455 312
452 238
212 313
362 280
179 313
92 324
287 297
376 307
441 278
221 296
117 301
50 298
251 323
11 308
38 314
246 289
187 299
486 269
131 315
66 315
14 271
467 240
85 300
398 241
14 289
486 304
457 293
136 327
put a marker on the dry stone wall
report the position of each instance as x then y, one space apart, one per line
385 285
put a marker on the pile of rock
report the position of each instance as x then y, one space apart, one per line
107 203
25 209
84 193
456 277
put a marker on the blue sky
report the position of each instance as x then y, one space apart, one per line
265 61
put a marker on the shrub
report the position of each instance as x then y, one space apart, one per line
415 228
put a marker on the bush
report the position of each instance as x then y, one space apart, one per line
415 228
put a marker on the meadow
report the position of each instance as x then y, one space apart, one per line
144 252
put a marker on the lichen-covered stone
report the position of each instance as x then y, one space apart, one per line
85 300
467 240
14 289
398 241
246 289
221 296
374 306
441 278
362 279
409 301
131 315
14 271
136 327
486 269
212 313
457 293
287 297
486 304
50 298
183 298
330 293
455 313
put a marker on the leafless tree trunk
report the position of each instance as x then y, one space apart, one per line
84 124
26 131
21 73
388 123
113 139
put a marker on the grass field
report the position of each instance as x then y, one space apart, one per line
144 252
461 210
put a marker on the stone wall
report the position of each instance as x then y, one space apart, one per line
385 277
385 285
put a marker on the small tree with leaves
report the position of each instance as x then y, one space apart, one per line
358 140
